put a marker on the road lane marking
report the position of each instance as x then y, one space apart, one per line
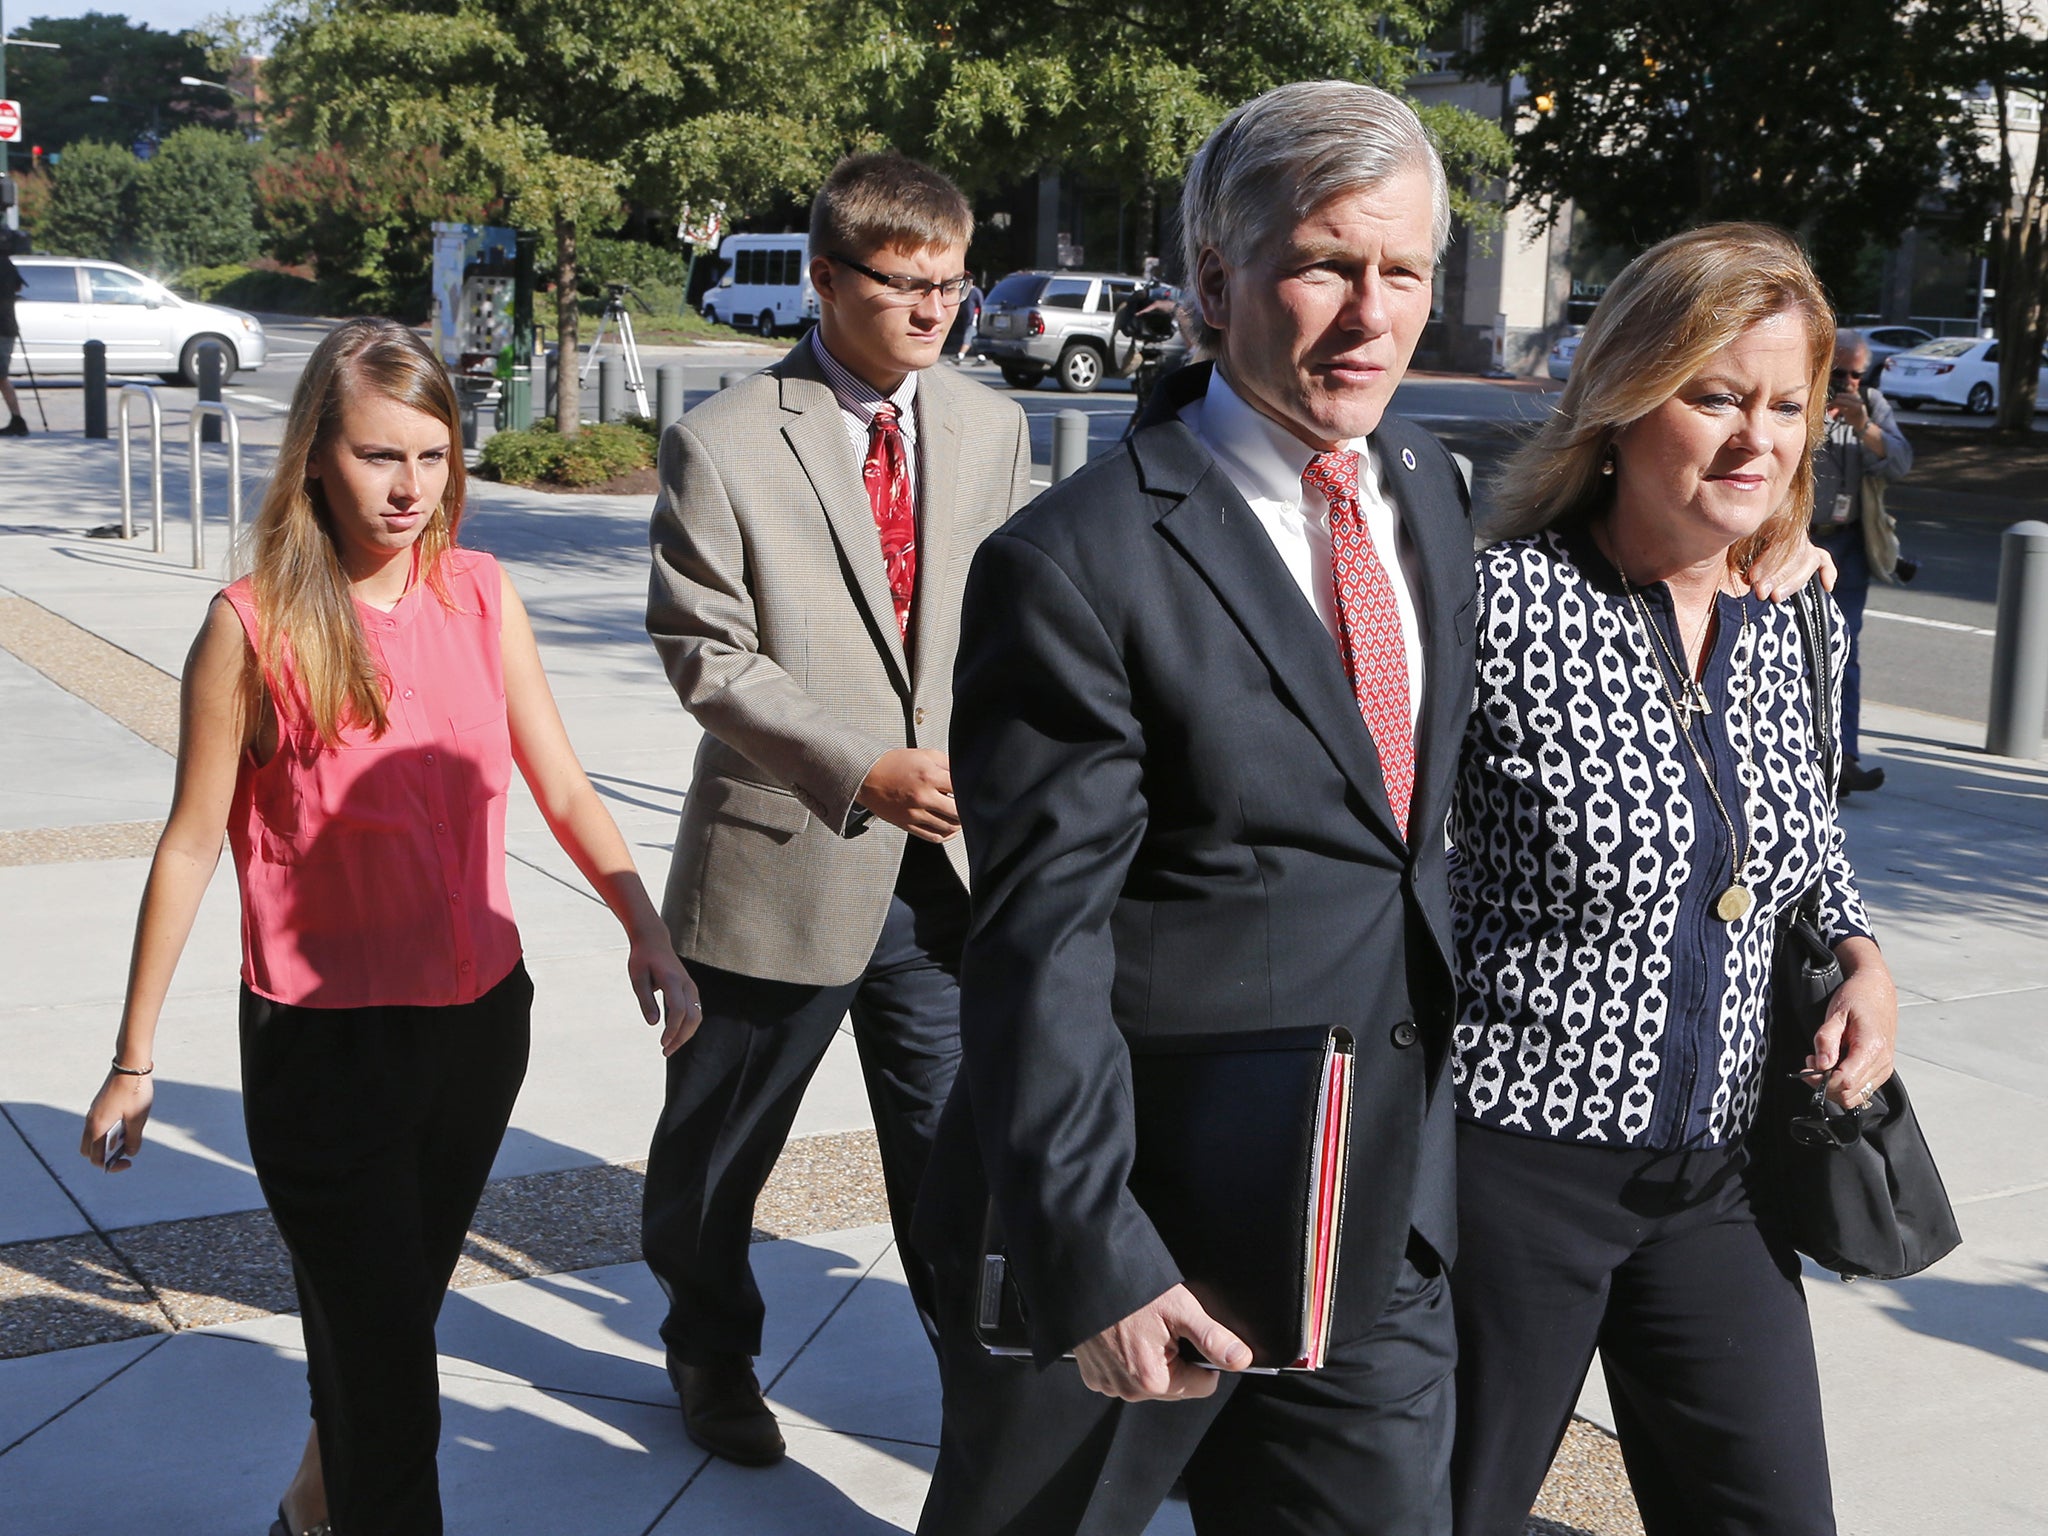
1914 618
244 398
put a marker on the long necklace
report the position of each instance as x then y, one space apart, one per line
1737 899
1692 694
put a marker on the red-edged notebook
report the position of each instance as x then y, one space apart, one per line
1242 1145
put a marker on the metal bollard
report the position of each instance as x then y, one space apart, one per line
2019 654
611 389
668 395
213 410
130 393
1069 443
210 361
95 389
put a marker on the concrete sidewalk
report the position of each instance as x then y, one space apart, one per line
149 1367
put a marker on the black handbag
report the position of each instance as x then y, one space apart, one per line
1855 1191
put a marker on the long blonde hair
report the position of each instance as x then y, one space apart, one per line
1671 310
303 606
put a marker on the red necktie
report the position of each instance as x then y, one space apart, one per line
887 476
1368 627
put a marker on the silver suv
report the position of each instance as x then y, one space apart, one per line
1062 323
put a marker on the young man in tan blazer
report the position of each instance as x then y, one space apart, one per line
810 539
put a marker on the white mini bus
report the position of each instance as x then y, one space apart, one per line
766 285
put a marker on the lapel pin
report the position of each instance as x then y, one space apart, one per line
1407 458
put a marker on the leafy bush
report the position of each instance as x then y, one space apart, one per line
195 203
646 267
91 211
593 456
258 288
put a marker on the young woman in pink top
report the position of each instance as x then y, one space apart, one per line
351 711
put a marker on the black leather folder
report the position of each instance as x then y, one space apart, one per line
1242 1144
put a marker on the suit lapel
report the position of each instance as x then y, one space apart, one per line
1218 533
938 452
1440 530
816 433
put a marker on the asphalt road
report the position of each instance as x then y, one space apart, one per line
1926 646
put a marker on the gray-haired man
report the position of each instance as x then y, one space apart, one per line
1207 712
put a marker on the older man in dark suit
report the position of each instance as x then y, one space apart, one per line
1208 707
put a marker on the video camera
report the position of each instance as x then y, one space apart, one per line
1149 315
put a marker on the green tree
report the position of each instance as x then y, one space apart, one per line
131 64
195 202
1127 92
91 209
2013 69
1840 119
563 108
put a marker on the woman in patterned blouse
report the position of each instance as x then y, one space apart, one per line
1640 801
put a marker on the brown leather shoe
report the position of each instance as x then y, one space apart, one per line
723 1412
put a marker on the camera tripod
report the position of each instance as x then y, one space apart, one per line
616 318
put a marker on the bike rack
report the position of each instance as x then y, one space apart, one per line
130 393
202 409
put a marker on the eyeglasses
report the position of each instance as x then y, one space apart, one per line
910 290
1826 1124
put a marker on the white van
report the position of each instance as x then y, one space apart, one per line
766 285
147 328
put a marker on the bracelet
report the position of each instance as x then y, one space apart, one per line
133 1071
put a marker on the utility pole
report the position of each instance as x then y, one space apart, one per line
6 153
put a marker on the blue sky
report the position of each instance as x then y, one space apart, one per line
164 15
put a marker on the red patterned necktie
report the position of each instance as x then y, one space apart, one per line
1368 627
887 475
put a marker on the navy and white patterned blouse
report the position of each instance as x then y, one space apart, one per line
1600 998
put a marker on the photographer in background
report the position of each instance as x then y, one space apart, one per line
11 283
1150 317
1862 450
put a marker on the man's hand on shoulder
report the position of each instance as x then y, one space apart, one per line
912 788
1140 1358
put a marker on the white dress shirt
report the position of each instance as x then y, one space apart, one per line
1265 462
857 401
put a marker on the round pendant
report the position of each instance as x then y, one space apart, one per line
1735 902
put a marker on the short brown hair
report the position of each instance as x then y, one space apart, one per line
1671 309
882 198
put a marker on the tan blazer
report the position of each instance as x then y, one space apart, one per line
770 607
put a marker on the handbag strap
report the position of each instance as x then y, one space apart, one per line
1809 609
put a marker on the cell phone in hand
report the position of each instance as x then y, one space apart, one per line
113 1144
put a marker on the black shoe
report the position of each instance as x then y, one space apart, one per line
724 1412
1857 779
18 427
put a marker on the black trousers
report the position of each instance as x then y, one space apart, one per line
735 1086
1359 1448
1656 1258
373 1131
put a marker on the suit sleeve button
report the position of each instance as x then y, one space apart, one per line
920 715
1405 1034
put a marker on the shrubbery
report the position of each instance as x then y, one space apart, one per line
194 204
593 456
258 288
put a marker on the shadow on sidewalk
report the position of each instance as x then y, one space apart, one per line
2007 1319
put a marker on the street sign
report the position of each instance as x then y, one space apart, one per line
10 122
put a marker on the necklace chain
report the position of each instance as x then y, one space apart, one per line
1737 899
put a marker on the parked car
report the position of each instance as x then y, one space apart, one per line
1888 340
1562 351
1955 370
147 328
1059 323
766 285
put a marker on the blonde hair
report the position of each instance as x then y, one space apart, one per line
303 606
1671 310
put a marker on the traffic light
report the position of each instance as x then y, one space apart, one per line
35 157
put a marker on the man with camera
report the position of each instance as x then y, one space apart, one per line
1862 449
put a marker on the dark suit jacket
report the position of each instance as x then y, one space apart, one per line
1176 822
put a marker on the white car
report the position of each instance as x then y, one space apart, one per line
147 328
1562 351
1889 340
1956 370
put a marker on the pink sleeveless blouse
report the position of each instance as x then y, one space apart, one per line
372 872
